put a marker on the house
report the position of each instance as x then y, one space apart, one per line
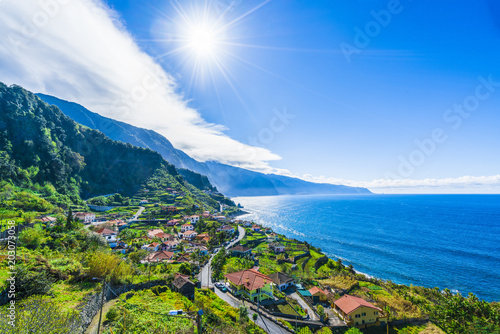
251 284
48 219
228 229
158 256
239 250
172 209
358 312
193 219
247 224
153 233
109 235
318 295
169 245
277 247
121 224
173 222
183 285
188 235
187 227
183 259
203 250
143 201
152 247
120 249
164 236
256 228
220 218
282 281
206 215
85 217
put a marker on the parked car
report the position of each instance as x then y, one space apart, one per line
175 312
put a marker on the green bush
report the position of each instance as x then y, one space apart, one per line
32 283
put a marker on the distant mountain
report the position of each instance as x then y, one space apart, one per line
231 181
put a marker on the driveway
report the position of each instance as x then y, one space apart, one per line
304 305
333 318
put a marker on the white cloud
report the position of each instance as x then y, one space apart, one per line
77 50
463 184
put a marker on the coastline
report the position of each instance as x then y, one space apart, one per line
290 232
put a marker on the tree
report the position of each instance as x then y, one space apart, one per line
32 237
243 312
321 310
353 330
69 220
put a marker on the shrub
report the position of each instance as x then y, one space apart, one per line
108 266
32 283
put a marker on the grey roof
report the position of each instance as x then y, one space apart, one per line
280 278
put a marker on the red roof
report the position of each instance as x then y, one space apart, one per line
105 230
189 232
159 256
349 303
250 279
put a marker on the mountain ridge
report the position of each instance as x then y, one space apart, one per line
232 181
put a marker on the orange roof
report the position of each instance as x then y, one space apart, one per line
189 232
250 279
349 303
314 290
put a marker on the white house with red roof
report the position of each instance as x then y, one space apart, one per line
188 235
85 217
152 247
187 227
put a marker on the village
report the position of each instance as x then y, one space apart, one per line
284 281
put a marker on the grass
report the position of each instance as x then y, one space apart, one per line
340 282
144 311
287 309
70 295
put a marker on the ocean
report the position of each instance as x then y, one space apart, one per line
445 241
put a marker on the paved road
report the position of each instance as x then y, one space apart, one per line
264 323
205 275
310 311
138 213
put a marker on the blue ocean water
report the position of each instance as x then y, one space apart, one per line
445 241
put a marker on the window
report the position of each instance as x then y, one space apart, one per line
357 323
357 316
375 312
363 314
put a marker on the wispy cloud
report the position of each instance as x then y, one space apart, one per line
463 184
79 51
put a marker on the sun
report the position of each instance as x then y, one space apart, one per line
203 40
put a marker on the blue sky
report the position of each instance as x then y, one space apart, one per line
356 118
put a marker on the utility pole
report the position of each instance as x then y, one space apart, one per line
102 302
198 321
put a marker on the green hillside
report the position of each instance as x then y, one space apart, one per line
43 150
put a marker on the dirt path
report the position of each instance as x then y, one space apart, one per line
92 329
